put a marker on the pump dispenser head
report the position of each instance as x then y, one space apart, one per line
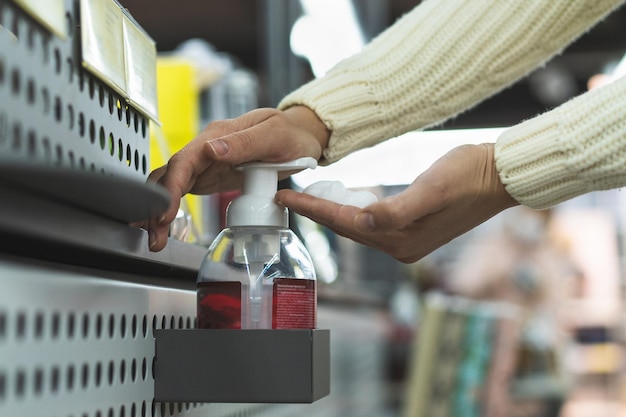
256 206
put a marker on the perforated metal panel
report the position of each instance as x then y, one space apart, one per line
53 111
75 345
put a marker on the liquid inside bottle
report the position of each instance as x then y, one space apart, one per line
257 279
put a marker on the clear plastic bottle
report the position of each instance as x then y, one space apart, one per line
257 274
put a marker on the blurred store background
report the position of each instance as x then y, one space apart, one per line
523 316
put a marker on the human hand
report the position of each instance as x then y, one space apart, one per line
458 192
206 164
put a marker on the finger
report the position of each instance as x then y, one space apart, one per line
338 217
157 236
341 220
179 175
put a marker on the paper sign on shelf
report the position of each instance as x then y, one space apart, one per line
50 13
119 52
141 55
102 41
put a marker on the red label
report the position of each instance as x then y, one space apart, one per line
219 305
294 304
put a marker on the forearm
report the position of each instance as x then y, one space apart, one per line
574 149
437 61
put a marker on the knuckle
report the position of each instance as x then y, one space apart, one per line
244 140
218 126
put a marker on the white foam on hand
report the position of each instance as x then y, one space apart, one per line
335 191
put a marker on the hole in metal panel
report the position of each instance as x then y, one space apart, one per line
20 383
31 146
45 99
20 325
122 371
57 61
111 144
38 379
120 149
69 379
111 373
101 95
111 326
70 24
84 376
70 116
144 369
55 324
133 326
92 131
15 81
3 383
98 374
30 91
59 155
111 102
81 124
71 324
3 127
85 325
39 324
102 137
54 379
98 326
70 70
3 324
47 150
58 109
133 370
17 137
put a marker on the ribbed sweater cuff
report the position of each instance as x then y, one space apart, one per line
574 149
330 99
532 163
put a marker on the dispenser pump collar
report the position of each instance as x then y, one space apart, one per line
256 206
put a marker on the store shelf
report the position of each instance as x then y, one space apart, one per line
44 228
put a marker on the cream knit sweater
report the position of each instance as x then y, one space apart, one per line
446 56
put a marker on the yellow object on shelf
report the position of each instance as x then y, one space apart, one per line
178 101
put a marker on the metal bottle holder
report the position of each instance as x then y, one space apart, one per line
242 366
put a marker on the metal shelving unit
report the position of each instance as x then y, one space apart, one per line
80 294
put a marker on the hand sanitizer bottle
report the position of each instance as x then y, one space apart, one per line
257 274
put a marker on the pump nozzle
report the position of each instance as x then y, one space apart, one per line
256 207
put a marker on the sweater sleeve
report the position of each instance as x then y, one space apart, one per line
437 61
576 148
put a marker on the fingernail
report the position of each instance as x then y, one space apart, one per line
219 146
365 222
151 240
162 219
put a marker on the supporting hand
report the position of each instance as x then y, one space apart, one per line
206 164
458 192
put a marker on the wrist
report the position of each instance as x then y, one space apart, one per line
498 188
308 120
